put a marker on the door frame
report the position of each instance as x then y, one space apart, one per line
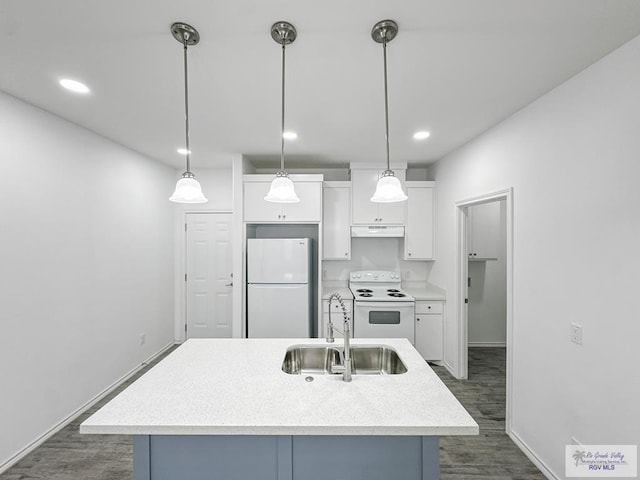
181 269
462 207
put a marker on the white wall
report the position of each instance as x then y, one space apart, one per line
85 255
376 254
572 158
487 311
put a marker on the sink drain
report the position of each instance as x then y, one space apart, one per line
308 379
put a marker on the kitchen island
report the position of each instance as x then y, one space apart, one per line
223 408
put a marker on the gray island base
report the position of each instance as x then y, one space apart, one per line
224 409
259 457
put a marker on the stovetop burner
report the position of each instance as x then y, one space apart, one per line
378 286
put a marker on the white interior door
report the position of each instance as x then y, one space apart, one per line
208 275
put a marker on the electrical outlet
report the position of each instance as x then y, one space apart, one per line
143 339
576 333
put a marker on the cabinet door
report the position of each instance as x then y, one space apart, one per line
484 231
336 223
256 208
393 213
418 240
363 185
309 208
429 329
366 212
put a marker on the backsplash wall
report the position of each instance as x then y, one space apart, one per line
376 254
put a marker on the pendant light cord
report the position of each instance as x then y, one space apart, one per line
186 103
284 42
386 97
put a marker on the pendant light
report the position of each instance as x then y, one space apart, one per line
282 190
188 189
388 189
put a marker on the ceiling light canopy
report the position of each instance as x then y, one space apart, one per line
421 135
188 189
183 151
74 85
388 189
282 190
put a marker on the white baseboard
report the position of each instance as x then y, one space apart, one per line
544 469
488 344
71 417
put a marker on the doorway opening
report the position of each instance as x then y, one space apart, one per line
485 281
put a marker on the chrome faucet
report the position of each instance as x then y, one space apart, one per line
345 368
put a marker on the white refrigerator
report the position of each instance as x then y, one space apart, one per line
279 296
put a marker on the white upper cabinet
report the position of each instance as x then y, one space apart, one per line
483 231
257 209
336 221
366 212
418 236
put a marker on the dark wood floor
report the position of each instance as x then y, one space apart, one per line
491 455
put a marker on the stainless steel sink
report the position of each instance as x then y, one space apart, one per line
320 360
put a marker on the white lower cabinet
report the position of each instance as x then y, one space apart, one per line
429 328
336 316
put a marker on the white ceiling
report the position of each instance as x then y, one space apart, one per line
456 68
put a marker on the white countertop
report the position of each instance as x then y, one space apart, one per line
424 291
237 387
341 287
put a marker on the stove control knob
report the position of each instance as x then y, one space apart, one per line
375 275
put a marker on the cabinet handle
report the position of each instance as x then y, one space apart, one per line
280 216
429 307
284 216
417 319
346 254
409 253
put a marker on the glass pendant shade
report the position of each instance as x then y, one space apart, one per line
388 189
188 190
282 190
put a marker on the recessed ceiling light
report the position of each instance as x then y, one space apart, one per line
183 151
421 135
290 135
74 86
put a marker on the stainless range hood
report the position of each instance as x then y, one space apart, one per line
380 231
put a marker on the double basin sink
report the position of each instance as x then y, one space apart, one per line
321 360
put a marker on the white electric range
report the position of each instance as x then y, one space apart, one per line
381 308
